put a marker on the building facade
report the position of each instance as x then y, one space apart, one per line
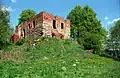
43 24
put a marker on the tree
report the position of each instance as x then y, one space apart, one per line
4 26
75 20
25 15
113 41
86 28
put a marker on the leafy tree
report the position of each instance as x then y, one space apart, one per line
113 41
25 15
86 28
4 26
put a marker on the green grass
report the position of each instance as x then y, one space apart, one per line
54 58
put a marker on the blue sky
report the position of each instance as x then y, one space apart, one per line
108 11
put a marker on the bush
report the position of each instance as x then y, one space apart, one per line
20 42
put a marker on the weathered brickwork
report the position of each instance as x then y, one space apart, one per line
43 24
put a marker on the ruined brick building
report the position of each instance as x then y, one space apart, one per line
43 24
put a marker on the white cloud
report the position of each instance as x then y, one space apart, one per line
7 9
113 21
106 18
13 1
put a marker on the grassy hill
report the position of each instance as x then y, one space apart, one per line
54 58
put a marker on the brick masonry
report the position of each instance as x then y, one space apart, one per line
43 24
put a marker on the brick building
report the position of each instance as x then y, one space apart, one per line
43 24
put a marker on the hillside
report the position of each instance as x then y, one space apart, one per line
54 58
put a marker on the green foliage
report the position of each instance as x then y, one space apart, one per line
55 58
86 28
26 15
113 41
4 26
20 42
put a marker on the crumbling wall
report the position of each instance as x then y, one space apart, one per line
49 30
42 25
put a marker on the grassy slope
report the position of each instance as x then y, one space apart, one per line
53 58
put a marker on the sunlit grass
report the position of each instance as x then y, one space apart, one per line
54 58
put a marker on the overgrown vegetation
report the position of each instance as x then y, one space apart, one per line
20 42
54 58
26 15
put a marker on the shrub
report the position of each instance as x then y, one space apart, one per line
20 42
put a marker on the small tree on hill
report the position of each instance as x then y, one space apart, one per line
25 15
